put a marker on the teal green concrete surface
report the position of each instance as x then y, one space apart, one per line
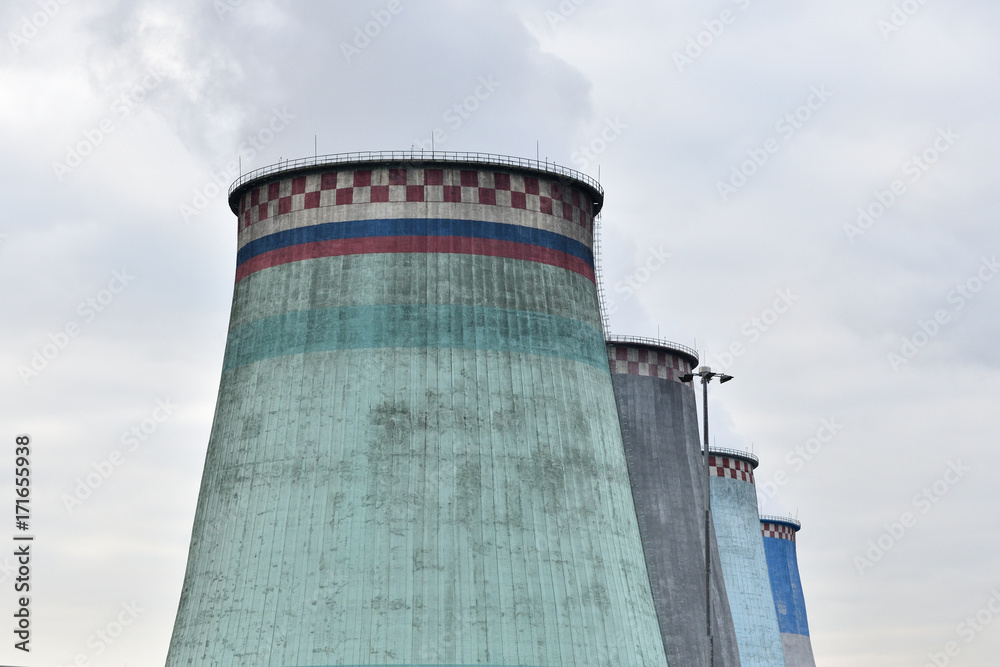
416 460
409 506
434 326
419 278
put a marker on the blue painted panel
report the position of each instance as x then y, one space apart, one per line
789 603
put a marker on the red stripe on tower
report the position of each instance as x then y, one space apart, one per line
415 244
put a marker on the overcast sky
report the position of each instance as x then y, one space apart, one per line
804 191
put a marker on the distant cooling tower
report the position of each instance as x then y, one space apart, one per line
789 603
416 457
660 430
744 565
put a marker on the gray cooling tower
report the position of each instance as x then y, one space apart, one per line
660 432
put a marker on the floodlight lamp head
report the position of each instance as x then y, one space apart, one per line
724 378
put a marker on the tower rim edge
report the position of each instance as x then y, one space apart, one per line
368 158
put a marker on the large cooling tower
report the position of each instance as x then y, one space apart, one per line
789 603
416 457
660 431
744 565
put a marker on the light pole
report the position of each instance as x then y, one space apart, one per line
707 375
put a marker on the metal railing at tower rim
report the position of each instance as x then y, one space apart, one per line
654 342
787 520
722 451
415 156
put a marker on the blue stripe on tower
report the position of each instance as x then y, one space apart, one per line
415 227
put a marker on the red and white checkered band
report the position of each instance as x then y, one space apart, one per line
779 530
724 466
365 186
628 360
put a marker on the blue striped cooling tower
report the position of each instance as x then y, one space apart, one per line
660 432
744 565
416 457
789 603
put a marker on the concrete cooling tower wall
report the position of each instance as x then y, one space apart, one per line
416 457
789 603
660 431
744 565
